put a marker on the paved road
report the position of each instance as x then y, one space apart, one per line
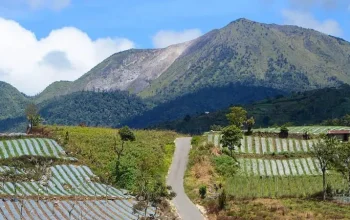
186 209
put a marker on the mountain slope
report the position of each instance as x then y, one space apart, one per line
282 57
12 102
311 107
287 58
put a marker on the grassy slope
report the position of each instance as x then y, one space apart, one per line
94 147
244 193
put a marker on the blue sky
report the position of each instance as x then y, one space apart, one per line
81 33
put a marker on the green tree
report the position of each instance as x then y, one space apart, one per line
202 191
126 135
342 162
237 116
231 137
324 152
250 123
32 114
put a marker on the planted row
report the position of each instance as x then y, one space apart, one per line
261 145
302 129
89 209
290 167
30 146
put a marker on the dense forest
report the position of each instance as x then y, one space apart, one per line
327 106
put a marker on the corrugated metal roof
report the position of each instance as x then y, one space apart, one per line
339 132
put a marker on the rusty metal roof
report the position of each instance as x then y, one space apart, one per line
339 132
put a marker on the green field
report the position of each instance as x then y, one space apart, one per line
302 129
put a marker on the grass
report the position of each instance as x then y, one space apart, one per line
94 147
288 208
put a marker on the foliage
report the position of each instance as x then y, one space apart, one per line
284 131
32 114
222 199
343 121
342 162
231 138
301 108
237 116
195 140
93 147
250 123
324 152
216 128
226 165
203 191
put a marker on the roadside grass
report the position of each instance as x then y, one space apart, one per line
94 147
282 209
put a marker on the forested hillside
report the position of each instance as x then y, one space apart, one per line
312 107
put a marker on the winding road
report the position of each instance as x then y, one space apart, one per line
186 209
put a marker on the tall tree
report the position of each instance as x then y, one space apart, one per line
32 114
324 152
237 116
126 135
250 123
231 137
342 162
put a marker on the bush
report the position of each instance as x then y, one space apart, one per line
215 128
195 140
226 165
202 191
283 132
222 200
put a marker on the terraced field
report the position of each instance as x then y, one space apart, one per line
267 172
302 129
261 145
31 146
65 191
85 209
290 167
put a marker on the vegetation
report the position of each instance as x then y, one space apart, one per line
231 138
300 107
95 147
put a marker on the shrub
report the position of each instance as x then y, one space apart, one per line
195 140
202 191
283 132
215 128
222 200
226 165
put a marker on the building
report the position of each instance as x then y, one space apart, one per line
342 135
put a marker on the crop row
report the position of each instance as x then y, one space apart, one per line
302 129
89 209
261 145
63 180
290 167
30 146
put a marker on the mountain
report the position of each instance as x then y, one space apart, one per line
300 108
12 102
240 63
286 58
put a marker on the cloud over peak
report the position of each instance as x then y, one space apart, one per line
307 20
166 38
31 64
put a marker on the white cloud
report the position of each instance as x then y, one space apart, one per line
307 20
52 4
166 38
30 64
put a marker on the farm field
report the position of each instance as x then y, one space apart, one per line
268 145
302 129
266 172
64 191
31 146
85 209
